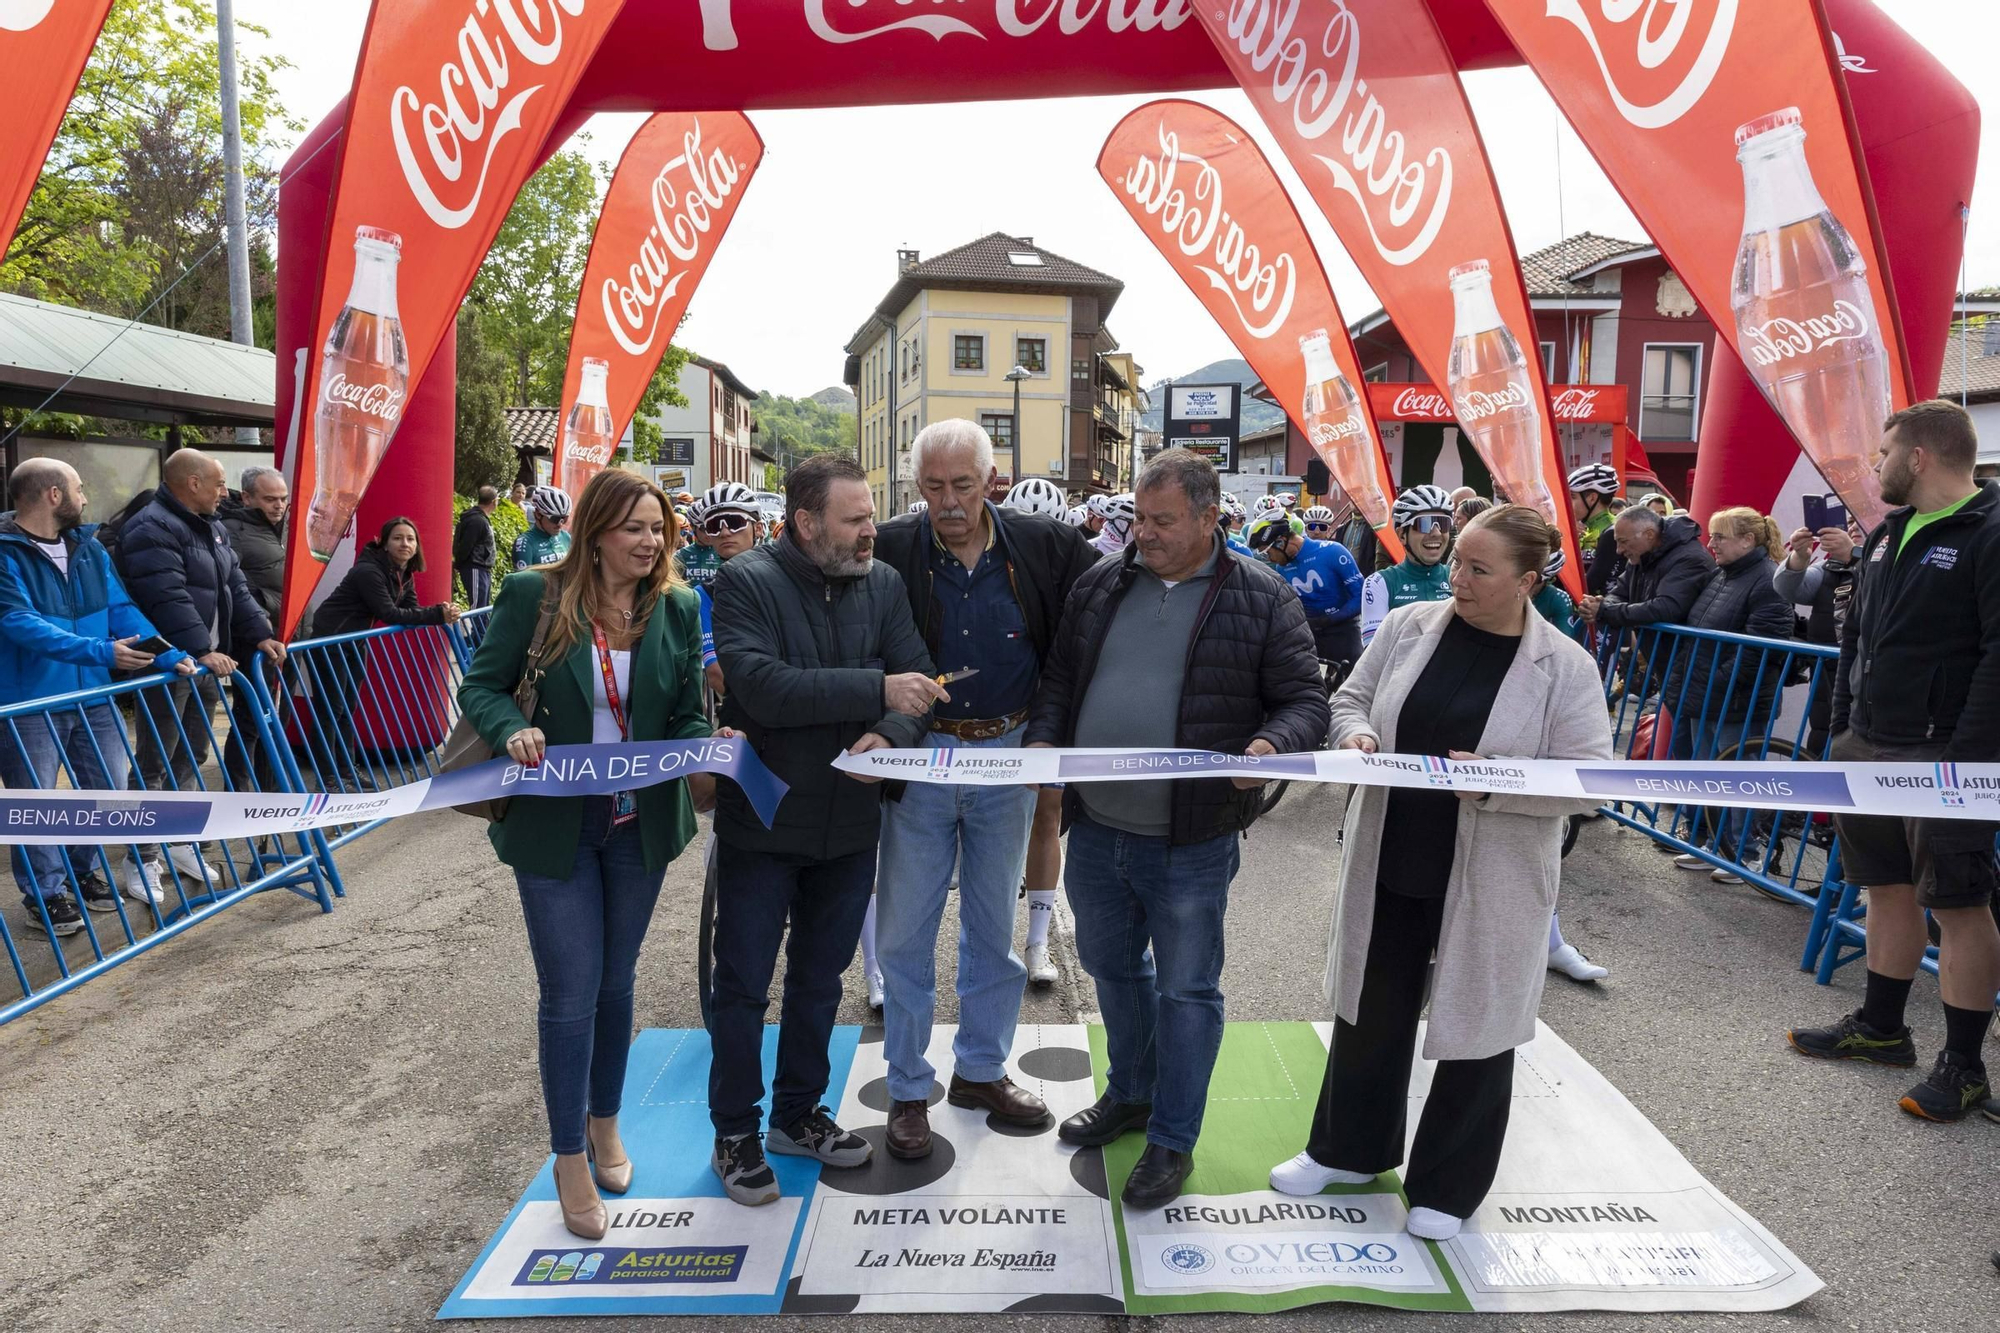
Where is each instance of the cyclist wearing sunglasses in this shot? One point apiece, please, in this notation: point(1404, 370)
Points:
point(547, 539)
point(727, 522)
point(1422, 516)
point(1324, 576)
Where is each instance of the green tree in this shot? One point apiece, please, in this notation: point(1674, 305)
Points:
point(795, 428)
point(483, 455)
point(526, 288)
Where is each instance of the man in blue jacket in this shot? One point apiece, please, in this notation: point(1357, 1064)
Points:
point(65, 622)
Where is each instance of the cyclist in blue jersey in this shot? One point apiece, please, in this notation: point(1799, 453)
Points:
point(1323, 574)
point(731, 522)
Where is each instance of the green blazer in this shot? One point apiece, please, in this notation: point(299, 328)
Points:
point(540, 833)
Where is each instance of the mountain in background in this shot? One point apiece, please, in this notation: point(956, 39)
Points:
point(790, 429)
point(835, 397)
point(1256, 415)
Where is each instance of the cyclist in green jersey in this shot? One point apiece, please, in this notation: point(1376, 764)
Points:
point(1553, 600)
point(1422, 516)
point(547, 539)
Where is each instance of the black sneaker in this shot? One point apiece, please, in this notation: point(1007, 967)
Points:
point(64, 919)
point(817, 1136)
point(96, 894)
point(1956, 1088)
point(1852, 1039)
point(746, 1177)
point(1992, 1109)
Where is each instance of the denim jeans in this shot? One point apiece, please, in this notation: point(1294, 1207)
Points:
point(984, 830)
point(180, 712)
point(1130, 892)
point(585, 932)
point(1696, 738)
point(92, 740)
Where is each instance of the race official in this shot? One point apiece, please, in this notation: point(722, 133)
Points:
point(986, 588)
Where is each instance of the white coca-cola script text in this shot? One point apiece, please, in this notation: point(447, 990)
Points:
point(1478, 404)
point(1653, 45)
point(1573, 404)
point(1786, 339)
point(836, 20)
point(1420, 405)
point(377, 400)
point(682, 216)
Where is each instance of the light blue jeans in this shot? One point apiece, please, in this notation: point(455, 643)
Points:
point(984, 831)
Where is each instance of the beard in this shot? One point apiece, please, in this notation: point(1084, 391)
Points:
point(841, 560)
point(1896, 479)
point(68, 514)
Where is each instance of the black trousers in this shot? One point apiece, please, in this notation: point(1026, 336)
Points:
point(1362, 1118)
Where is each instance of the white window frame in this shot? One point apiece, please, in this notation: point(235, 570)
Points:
point(1694, 390)
point(1548, 361)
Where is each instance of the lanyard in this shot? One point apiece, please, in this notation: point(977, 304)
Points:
point(610, 681)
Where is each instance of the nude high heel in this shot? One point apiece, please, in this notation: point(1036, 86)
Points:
point(612, 1177)
point(584, 1216)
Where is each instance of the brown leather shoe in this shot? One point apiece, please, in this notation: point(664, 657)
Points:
point(909, 1132)
point(1001, 1099)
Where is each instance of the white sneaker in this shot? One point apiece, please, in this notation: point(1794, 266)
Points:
point(874, 990)
point(188, 861)
point(1569, 961)
point(1689, 861)
point(1430, 1224)
point(141, 881)
point(1302, 1175)
point(1725, 876)
point(1041, 971)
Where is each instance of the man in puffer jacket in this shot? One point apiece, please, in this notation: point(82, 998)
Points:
point(1666, 566)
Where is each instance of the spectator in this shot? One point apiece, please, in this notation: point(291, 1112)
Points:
point(1666, 567)
point(1459, 496)
point(473, 547)
point(816, 642)
point(1173, 643)
point(255, 521)
point(518, 493)
point(65, 623)
point(1919, 682)
point(183, 574)
point(1825, 584)
point(1471, 507)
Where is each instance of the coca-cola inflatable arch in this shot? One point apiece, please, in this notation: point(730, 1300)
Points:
point(1916, 128)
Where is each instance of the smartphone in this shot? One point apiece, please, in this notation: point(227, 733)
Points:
point(1824, 511)
point(156, 645)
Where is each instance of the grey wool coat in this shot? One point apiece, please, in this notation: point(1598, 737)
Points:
point(1492, 954)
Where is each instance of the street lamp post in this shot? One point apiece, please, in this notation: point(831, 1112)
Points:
point(1015, 376)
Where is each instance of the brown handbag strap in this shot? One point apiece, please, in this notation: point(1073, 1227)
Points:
point(528, 691)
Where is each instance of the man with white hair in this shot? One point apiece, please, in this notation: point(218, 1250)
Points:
point(986, 588)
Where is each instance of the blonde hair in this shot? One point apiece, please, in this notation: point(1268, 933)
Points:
point(607, 501)
point(1743, 521)
point(1523, 531)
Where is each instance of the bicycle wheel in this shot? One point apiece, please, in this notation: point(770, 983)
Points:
point(1800, 844)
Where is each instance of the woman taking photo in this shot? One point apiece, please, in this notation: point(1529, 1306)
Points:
point(1480, 675)
point(621, 660)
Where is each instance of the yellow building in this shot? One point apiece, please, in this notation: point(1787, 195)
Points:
point(952, 329)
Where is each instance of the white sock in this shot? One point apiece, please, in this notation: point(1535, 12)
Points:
point(1555, 933)
point(1041, 911)
point(868, 939)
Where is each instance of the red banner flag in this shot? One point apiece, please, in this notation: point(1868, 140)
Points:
point(1741, 107)
point(1208, 199)
point(43, 47)
point(452, 102)
point(1364, 98)
point(671, 199)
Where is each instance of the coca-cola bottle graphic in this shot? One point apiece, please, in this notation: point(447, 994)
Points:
point(364, 377)
point(1337, 430)
point(1805, 319)
point(1493, 393)
point(587, 437)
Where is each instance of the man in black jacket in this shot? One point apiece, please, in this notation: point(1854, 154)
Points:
point(815, 639)
point(254, 518)
point(1177, 642)
point(472, 547)
point(986, 589)
point(1919, 681)
point(1666, 567)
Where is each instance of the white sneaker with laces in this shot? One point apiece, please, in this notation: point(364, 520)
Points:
point(189, 862)
point(1569, 961)
point(1302, 1175)
point(1041, 971)
point(874, 990)
point(1430, 1224)
point(1721, 876)
point(141, 881)
point(1689, 861)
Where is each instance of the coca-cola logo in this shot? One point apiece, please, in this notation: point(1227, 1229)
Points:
point(21, 15)
point(1852, 64)
point(1420, 405)
point(1013, 18)
point(1333, 432)
point(1316, 79)
point(1652, 45)
point(1787, 339)
point(377, 400)
point(456, 124)
point(682, 216)
point(1479, 404)
point(575, 452)
point(1197, 224)
point(1574, 404)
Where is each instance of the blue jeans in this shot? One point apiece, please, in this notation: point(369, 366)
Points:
point(757, 893)
point(585, 931)
point(985, 831)
point(92, 741)
point(1695, 738)
point(1129, 892)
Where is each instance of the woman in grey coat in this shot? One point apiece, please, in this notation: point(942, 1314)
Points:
point(1482, 675)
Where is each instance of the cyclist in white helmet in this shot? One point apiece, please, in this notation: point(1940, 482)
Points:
point(1320, 523)
point(1234, 516)
point(1076, 516)
point(547, 539)
point(1037, 495)
point(1422, 519)
point(1120, 512)
point(1096, 511)
point(1591, 488)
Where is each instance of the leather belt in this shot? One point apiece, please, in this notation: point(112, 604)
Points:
point(979, 728)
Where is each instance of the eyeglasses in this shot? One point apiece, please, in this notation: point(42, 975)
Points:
point(1431, 523)
point(717, 524)
point(1319, 527)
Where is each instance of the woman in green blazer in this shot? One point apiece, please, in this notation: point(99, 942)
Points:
point(622, 659)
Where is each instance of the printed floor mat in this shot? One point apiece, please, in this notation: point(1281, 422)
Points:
point(1593, 1209)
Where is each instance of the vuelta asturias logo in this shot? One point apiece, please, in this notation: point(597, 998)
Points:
point(1193, 218)
point(941, 762)
point(1188, 1259)
point(1437, 770)
point(1787, 339)
point(682, 216)
point(1628, 54)
point(1947, 785)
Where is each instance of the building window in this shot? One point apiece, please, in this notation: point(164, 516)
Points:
point(1548, 363)
point(1079, 371)
point(999, 425)
point(1033, 354)
point(1377, 373)
point(1669, 391)
point(968, 351)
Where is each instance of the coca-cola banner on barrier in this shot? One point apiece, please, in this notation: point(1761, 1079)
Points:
point(1364, 98)
point(452, 102)
point(43, 47)
point(1741, 106)
point(1208, 199)
point(671, 199)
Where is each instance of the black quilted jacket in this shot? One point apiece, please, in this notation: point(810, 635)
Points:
point(1250, 671)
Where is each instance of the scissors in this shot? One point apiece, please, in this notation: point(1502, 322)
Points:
point(960, 674)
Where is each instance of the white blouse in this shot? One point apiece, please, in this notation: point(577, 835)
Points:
point(603, 725)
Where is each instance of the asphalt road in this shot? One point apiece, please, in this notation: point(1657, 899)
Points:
point(289, 1121)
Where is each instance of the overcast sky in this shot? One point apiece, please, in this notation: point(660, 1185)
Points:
point(805, 259)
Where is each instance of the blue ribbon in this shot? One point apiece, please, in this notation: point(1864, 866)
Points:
point(603, 770)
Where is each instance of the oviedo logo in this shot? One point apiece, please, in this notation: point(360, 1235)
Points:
point(454, 126)
point(1664, 55)
point(682, 216)
point(1403, 203)
point(1014, 18)
point(1188, 1258)
point(1193, 218)
point(1786, 339)
point(21, 15)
